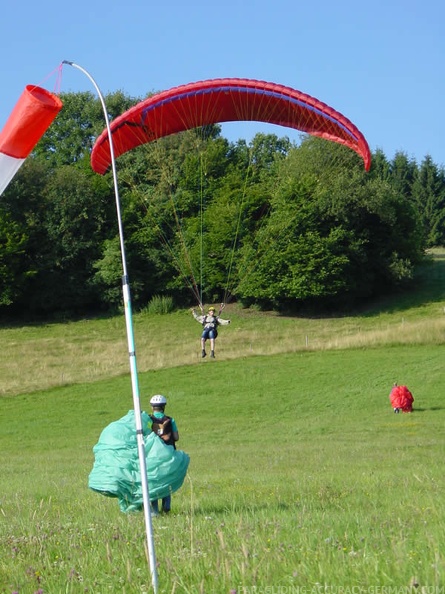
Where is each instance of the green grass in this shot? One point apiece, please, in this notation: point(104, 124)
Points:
point(301, 477)
point(300, 474)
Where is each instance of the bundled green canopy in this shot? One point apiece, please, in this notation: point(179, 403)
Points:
point(116, 469)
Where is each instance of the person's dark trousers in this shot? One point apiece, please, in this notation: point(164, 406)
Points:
point(166, 504)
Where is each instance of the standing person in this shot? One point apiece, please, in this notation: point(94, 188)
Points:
point(167, 430)
point(210, 323)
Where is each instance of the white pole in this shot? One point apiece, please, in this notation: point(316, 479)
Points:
point(131, 350)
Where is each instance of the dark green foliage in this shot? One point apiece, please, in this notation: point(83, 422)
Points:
point(71, 136)
point(335, 234)
point(160, 305)
point(13, 242)
point(428, 197)
point(21, 231)
point(74, 213)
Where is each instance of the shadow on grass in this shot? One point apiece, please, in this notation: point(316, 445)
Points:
point(427, 286)
point(238, 507)
point(416, 410)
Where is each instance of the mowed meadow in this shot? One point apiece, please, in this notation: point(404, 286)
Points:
point(301, 479)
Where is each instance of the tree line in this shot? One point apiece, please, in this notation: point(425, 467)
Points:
point(274, 223)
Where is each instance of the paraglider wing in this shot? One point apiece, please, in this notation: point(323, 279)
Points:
point(225, 100)
point(116, 470)
point(401, 398)
point(32, 115)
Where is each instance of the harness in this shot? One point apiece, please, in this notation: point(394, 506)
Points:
point(210, 325)
point(210, 321)
point(163, 428)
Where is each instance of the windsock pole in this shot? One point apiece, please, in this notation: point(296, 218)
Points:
point(131, 349)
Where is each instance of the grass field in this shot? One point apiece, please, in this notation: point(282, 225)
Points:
point(301, 478)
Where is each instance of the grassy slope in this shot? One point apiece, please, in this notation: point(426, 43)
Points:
point(40, 357)
point(300, 473)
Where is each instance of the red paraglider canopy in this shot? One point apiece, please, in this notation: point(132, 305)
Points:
point(401, 399)
point(225, 100)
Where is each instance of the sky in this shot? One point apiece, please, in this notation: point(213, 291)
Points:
point(381, 63)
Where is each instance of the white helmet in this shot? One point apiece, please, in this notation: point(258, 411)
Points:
point(158, 399)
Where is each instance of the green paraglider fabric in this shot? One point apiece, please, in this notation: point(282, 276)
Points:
point(116, 471)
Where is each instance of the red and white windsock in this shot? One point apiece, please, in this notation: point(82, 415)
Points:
point(31, 117)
